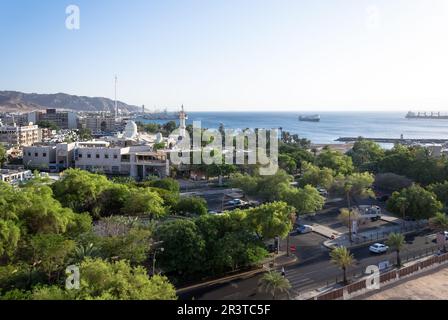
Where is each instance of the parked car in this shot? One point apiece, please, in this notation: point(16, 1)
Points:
point(236, 202)
point(446, 234)
point(302, 229)
point(323, 192)
point(378, 248)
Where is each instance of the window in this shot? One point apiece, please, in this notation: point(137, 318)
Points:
point(97, 156)
point(36, 154)
point(115, 156)
point(89, 155)
point(80, 155)
point(29, 154)
point(44, 154)
point(106, 156)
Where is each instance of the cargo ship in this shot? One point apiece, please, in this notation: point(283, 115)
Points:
point(426, 115)
point(312, 118)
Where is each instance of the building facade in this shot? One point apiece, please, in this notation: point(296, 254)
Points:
point(20, 135)
point(15, 176)
point(62, 119)
point(138, 162)
point(98, 123)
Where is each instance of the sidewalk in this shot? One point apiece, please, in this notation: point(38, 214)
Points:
point(376, 235)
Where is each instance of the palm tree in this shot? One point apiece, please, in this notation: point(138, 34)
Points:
point(273, 283)
point(403, 204)
point(342, 257)
point(396, 241)
point(347, 190)
point(85, 251)
point(439, 223)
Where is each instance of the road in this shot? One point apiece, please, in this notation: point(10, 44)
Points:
point(312, 271)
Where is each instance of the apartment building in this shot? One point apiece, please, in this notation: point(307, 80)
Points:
point(98, 123)
point(20, 135)
point(62, 119)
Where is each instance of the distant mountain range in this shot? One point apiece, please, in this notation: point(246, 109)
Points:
point(14, 101)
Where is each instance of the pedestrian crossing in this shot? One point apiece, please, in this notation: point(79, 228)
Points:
point(298, 280)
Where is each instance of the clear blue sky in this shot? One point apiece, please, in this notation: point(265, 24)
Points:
point(233, 54)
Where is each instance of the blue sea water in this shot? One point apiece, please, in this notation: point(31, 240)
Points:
point(332, 125)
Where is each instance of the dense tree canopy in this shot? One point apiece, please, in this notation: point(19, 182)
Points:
point(336, 161)
point(315, 176)
point(420, 203)
point(366, 155)
point(190, 206)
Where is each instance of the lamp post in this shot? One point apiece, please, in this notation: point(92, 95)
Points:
point(154, 260)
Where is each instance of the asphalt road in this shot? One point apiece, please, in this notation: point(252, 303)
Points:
point(313, 270)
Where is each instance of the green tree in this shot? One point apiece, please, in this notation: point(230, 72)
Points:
point(113, 199)
point(419, 203)
point(396, 241)
point(166, 184)
point(342, 257)
point(304, 200)
point(3, 156)
point(336, 161)
point(144, 203)
point(9, 239)
point(132, 245)
point(354, 185)
point(315, 176)
point(274, 283)
point(81, 190)
point(347, 216)
point(51, 251)
point(183, 247)
point(392, 182)
point(366, 155)
point(287, 163)
point(191, 206)
point(48, 124)
point(271, 220)
point(441, 191)
point(103, 280)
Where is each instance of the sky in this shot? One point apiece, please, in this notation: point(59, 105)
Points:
point(233, 55)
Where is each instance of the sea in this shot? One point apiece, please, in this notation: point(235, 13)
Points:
point(332, 126)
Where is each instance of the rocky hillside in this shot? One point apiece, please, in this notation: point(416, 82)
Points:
point(19, 101)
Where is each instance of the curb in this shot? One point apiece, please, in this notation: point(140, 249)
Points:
point(332, 246)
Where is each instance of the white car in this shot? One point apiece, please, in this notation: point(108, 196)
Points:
point(237, 202)
point(304, 229)
point(378, 248)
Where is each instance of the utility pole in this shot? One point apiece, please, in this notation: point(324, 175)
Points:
point(116, 104)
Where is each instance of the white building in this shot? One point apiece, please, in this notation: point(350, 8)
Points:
point(136, 161)
point(15, 176)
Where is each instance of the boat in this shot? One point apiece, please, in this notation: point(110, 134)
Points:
point(312, 118)
point(426, 115)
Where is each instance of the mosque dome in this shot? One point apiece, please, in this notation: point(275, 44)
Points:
point(130, 131)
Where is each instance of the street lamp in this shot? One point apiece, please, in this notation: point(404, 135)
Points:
point(154, 260)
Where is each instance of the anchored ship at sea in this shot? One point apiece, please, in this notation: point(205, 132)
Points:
point(312, 118)
point(426, 115)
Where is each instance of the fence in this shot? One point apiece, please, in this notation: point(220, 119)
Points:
point(404, 228)
point(394, 275)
